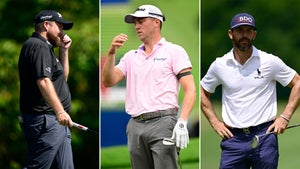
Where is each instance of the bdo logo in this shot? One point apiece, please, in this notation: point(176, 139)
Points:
point(245, 19)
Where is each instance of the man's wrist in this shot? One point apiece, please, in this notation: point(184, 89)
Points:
point(182, 119)
point(111, 53)
point(285, 118)
point(60, 112)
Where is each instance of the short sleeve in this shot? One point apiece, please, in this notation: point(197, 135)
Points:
point(181, 59)
point(281, 72)
point(210, 81)
point(42, 62)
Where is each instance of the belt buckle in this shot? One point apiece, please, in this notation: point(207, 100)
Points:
point(141, 117)
point(246, 131)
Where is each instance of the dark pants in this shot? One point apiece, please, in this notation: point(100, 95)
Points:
point(48, 142)
point(145, 143)
point(237, 153)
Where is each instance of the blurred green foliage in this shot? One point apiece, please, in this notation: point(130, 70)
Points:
point(276, 22)
point(16, 17)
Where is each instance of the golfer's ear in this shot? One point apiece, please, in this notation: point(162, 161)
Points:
point(255, 33)
point(230, 33)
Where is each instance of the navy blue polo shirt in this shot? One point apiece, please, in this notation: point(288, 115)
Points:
point(37, 60)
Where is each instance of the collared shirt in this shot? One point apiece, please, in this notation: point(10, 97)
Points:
point(151, 82)
point(249, 90)
point(37, 60)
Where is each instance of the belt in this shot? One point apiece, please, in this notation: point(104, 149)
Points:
point(156, 114)
point(252, 129)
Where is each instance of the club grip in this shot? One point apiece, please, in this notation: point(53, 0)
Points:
point(81, 127)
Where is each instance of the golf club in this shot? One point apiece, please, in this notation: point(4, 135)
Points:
point(79, 126)
point(84, 128)
point(255, 141)
point(169, 142)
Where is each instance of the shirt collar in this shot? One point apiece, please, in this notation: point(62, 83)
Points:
point(37, 35)
point(161, 42)
point(254, 54)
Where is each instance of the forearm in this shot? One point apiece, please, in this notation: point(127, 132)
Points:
point(293, 102)
point(189, 98)
point(64, 60)
point(210, 114)
point(108, 70)
point(110, 74)
point(187, 106)
point(207, 108)
point(49, 94)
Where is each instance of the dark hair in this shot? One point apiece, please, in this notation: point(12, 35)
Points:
point(39, 27)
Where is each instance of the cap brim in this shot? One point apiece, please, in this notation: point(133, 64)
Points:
point(131, 17)
point(243, 24)
point(67, 25)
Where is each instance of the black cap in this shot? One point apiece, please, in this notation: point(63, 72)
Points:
point(51, 15)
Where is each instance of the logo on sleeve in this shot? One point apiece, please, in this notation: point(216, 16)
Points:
point(48, 69)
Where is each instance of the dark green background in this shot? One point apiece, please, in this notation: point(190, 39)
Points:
point(16, 18)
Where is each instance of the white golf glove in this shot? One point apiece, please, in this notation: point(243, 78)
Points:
point(181, 134)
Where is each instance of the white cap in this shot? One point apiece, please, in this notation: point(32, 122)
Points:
point(145, 11)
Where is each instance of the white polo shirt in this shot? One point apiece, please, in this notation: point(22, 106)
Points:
point(249, 90)
point(151, 82)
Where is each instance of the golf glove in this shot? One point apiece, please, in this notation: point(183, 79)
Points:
point(181, 134)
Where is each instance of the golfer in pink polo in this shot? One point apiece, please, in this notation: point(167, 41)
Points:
point(154, 73)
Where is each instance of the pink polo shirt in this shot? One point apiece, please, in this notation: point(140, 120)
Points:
point(151, 82)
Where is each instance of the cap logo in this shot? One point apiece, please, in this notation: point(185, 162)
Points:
point(140, 9)
point(145, 11)
point(245, 19)
point(150, 13)
point(59, 15)
point(46, 17)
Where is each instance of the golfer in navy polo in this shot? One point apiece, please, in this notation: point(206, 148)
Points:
point(248, 79)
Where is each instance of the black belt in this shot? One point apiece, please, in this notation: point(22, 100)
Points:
point(156, 114)
point(252, 129)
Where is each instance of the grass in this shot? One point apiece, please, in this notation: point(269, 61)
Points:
point(117, 157)
point(288, 143)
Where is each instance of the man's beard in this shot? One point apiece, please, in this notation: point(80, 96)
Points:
point(240, 46)
point(54, 40)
